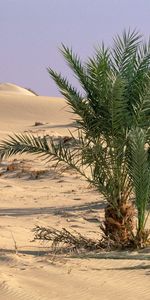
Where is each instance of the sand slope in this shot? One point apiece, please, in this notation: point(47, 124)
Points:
point(36, 279)
point(12, 89)
point(20, 112)
point(59, 200)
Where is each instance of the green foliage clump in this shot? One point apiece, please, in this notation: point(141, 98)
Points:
point(113, 121)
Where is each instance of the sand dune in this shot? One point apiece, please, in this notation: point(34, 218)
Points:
point(19, 112)
point(12, 89)
point(59, 200)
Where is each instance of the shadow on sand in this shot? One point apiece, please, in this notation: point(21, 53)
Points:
point(17, 212)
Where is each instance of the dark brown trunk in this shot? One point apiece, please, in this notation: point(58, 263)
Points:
point(119, 224)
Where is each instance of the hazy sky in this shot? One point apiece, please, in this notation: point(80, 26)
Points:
point(32, 30)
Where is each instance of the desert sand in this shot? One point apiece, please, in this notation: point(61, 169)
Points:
point(27, 269)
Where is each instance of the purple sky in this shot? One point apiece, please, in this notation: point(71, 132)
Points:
point(32, 30)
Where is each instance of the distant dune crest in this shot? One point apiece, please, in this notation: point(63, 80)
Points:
point(9, 88)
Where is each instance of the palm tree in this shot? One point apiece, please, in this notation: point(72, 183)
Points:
point(113, 120)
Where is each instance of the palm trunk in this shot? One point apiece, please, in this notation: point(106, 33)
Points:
point(119, 224)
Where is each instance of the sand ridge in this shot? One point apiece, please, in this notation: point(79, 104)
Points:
point(59, 199)
point(13, 89)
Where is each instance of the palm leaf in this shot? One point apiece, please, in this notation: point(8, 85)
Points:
point(139, 169)
point(78, 69)
point(124, 51)
point(46, 148)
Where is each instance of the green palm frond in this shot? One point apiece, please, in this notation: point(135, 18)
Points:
point(24, 143)
point(124, 50)
point(139, 85)
point(119, 109)
point(93, 161)
point(46, 148)
point(99, 70)
point(74, 99)
point(89, 119)
point(139, 169)
point(78, 69)
point(67, 90)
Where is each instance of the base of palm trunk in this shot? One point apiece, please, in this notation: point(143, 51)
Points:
point(142, 238)
point(119, 224)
